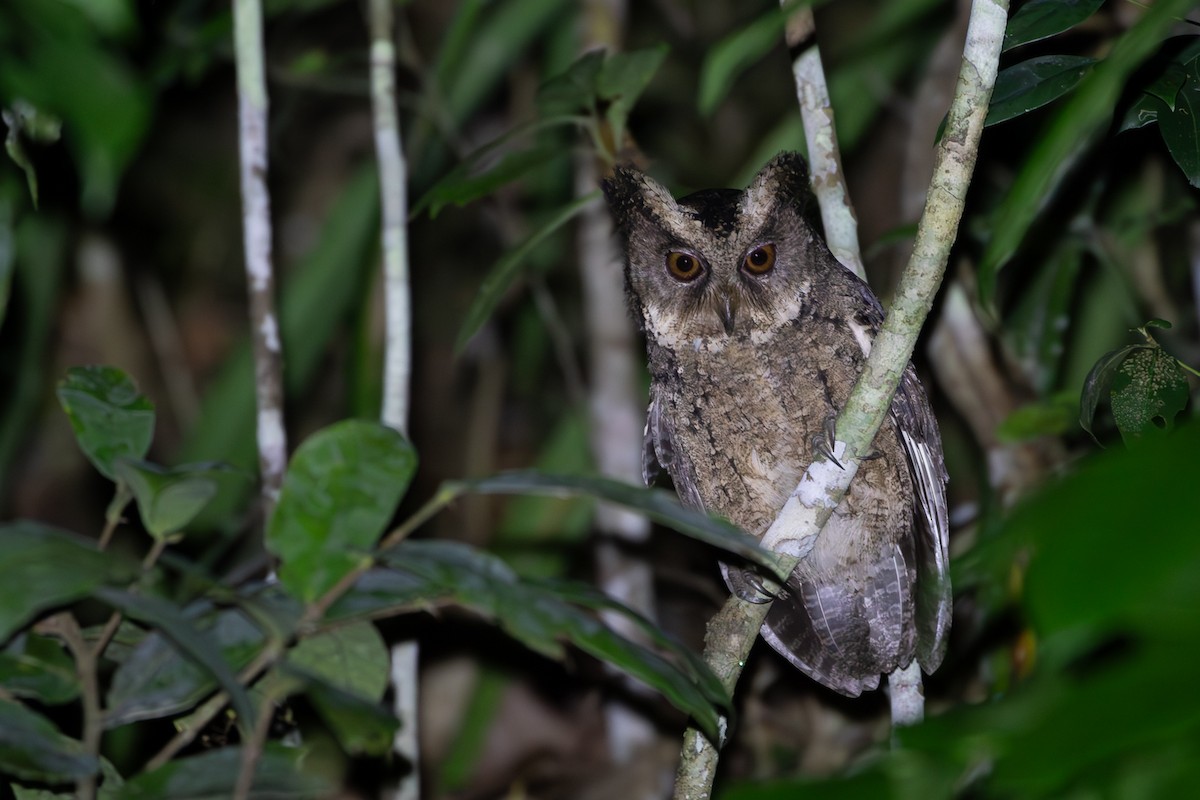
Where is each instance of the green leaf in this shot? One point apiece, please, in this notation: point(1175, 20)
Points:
point(381, 593)
point(657, 504)
point(351, 657)
point(462, 185)
point(1095, 386)
point(1148, 391)
point(340, 491)
point(508, 268)
point(23, 118)
point(197, 645)
point(42, 568)
point(573, 91)
point(38, 668)
point(31, 748)
point(1051, 417)
point(169, 497)
point(111, 418)
point(1180, 127)
point(212, 775)
point(1041, 19)
point(362, 726)
point(542, 616)
point(622, 79)
point(1034, 83)
point(156, 679)
point(1068, 135)
point(730, 57)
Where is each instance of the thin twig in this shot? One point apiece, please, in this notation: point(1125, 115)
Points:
point(256, 215)
point(67, 628)
point(871, 397)
point(252, 749)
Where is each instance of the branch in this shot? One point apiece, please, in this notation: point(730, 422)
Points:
point(256, 213)
point(824, 159)
point(397, 369)
point(823, 485)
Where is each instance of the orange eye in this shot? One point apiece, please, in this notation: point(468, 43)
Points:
point(683, 266)
point(760, 260)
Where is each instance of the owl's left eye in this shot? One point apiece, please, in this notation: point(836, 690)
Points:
point(760, 260)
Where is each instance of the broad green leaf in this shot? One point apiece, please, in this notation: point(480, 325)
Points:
point(1176, 60)
point(573, 91)
point(341, 489)
point(1041, 19)
point(1075, 125)
point(508, 268)
point(463, 186)
point(31, 748)
point(212, 775)
point(543, 616)
point(199, 646)
point(1180, 128)
point(1148, 391)
point(157, 680)
point(657, 504)
point(362, 726)
point(42, 568)
point(111, 418)
point(23, 118)
point(1034, 83)
point(354, 658)
point(38, 668)
point(110, 787)
point(381, 593)
point(1095, 387)
point(622, 79)
point(1039, 326)
point(168, 498)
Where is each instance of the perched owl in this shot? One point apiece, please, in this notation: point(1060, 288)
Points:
point(755, 336)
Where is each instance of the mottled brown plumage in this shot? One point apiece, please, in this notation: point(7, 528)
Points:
point(755, 336)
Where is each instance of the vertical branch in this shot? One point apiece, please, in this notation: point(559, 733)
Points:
point(397, 365)
point(256, 214)
point(824, 159)
point(822, 487)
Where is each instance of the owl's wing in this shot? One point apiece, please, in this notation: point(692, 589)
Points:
point(659, 453)
point(919, 433)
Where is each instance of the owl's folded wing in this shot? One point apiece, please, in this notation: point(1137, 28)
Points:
point(922, 444)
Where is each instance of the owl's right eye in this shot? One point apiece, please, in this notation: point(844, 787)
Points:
point(683, 266)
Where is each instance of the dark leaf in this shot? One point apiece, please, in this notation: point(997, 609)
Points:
point(362, 725)
point(622, 80)
point(212, 775)
point(157, 680)
point(1051, 417)
point(464, 184)
point(730, 57)
point(43, 567)
point(169, 498)
point(659, 505)
point(199, 646)
point(544, 616)
point(508, 268)
point(340, 492)
point(1034, 83)
point(37, 667)
point(1180, 128)
point(351, 657)
point(1095, 386)
point(381, 593)
point(31, 748)
point(1041, 19)
point(23, 118)
point(573, 91)
point(1148, 390)
point(111, 418)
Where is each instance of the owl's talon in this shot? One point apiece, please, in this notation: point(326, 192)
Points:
point(824, 443)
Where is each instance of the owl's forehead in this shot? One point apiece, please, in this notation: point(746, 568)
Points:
point(718, 211)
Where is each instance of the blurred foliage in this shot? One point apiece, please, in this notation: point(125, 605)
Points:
point(119, 235)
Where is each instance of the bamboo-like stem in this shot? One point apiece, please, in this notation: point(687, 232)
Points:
point(256, 221)
point(824, 157)
point(398, 346)
point(823, 485)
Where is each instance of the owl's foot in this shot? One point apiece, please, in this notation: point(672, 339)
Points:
point(748, 585)
point(825, 442)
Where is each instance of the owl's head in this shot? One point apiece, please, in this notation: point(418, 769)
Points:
point(719, 262)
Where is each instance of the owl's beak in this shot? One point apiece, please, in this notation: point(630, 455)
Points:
point(727, 310)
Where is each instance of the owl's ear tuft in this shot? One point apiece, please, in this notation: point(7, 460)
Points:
point(783, 181)
point(634, 197)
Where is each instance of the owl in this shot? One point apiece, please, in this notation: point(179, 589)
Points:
point(755, 336)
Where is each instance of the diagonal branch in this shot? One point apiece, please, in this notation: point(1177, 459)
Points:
point(733, 631)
